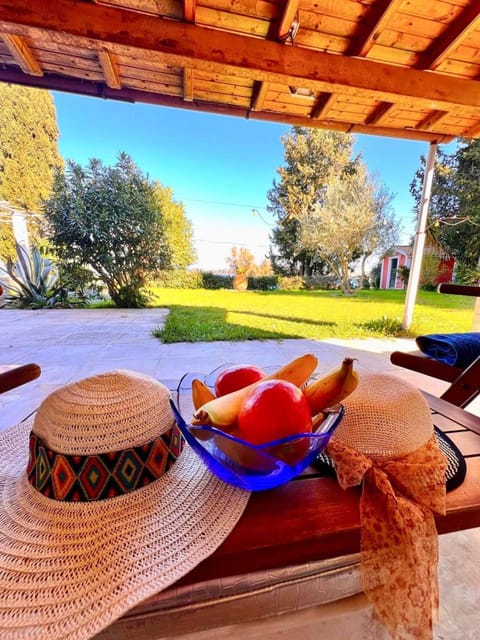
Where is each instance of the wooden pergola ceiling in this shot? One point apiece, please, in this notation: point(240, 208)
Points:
point(402, 68)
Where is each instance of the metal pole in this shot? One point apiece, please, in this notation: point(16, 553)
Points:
point(419, 244)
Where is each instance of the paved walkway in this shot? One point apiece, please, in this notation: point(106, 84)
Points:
point(71, 344)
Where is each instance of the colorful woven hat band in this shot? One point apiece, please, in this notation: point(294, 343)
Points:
point(81, 478)
point(401, 490)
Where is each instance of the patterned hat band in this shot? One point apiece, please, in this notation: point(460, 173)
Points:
point(83, 478)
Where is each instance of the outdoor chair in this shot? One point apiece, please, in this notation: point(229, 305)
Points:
point(464, 381)
point(22, 374)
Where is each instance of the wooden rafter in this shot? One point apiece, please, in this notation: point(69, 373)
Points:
point(22, 54)
point(189, 7)
point(380, 112)
point(258, 95)
point(381, 13)
point(322, 105)
point(188, 84)
point(110, 71)
point(288, 16)
point(181, 44)
point(431, 120)
point(473, 132)
point(467, 22)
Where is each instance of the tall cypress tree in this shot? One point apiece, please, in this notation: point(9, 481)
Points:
point(28, 152)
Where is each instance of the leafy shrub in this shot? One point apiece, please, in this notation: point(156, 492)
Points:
point(31, 281)
point(263, 283)
point(321, 282)
point(467, 275)
point(429, 274)
point(403, 273)
point(365, 283)
point(215, 281)
point(386, 325)
point(180, 279)
point(291, 283)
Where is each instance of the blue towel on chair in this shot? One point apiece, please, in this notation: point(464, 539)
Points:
point(458, 349)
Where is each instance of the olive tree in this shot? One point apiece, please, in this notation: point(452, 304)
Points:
point(110, 219)
point(350, 222)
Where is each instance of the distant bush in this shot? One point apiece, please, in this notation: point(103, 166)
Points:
point(214, 281)
point(180, 279)
point(291, 283)
point(321, 282)
point(263, 283)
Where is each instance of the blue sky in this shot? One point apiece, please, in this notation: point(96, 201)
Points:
point(220, 167)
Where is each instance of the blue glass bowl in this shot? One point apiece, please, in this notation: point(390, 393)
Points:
point(248, 466)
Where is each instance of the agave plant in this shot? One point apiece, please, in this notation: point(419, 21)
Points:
point(31, 281)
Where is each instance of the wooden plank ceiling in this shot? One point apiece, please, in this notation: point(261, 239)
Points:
point(402, 68)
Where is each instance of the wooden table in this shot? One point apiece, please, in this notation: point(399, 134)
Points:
point(312, 518)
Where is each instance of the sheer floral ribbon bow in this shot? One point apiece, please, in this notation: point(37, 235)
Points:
point(399, 542)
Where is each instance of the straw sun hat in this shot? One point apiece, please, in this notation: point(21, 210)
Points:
point(386, 442)
point(104, 508)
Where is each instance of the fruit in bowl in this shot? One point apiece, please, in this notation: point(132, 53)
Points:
point(273, 409)
point(236, 377)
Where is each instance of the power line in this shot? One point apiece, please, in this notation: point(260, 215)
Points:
point(262, 246)
point(226, 204)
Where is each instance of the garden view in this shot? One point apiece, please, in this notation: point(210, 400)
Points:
point(108, 235)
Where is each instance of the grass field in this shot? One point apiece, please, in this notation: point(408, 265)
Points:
point(205, 315)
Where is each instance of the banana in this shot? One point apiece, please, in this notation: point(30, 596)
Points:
point(332, 388)
point(200, 393)
point(223, 411)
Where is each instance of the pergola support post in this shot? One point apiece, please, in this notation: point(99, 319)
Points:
point(419, 244)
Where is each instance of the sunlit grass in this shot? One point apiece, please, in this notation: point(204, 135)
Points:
point(205, 315)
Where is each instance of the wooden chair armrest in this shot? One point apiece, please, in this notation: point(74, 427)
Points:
point(18, 376)
point(417, 361)
point(460, 289)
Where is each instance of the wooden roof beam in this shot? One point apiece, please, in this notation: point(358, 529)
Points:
point(258, 95)
point(91, 26)
point(189, 7)
point(287, 20)
point(188, 84)
point(473, 132)
point(94, 89)
point(22, 54)
point(380, 15)
point(380, 112)
point(110, 71)
point(322, 105)
point(467, 22)
point(431, 120)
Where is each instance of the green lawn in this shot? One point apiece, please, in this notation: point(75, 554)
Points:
point(205, 315)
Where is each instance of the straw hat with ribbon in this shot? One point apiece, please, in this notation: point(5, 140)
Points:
point(101, 506)
point(386, 441)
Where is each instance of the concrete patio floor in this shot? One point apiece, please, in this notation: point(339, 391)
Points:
point(71, 344)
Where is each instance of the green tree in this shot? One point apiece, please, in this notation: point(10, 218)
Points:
point(28, 153)
point(177, 227)
point(312, 160)
point(110, 218)
point(346, 224)
point(454, 214)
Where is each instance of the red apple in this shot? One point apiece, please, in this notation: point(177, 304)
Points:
point(273, 409)
point(237, 377)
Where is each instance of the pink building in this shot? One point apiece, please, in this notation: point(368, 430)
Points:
point(401, 256)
